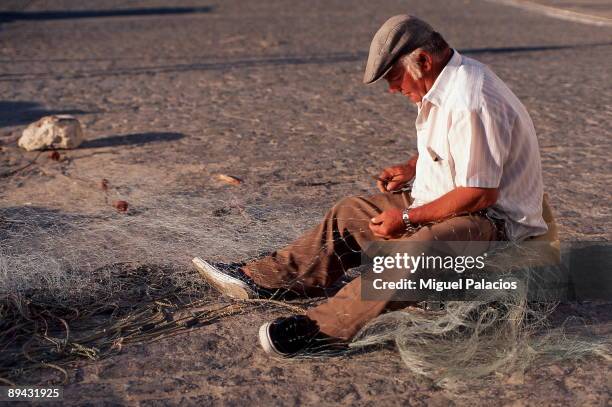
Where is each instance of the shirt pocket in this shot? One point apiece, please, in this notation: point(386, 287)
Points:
point(441, 163)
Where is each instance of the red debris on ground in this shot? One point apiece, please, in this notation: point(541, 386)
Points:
point(54, 155)
point(121, 206)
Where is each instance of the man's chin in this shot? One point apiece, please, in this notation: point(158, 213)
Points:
point(413, 98)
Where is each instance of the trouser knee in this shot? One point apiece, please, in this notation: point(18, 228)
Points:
point(346, 206)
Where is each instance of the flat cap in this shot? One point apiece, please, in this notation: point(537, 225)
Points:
point(399, 35)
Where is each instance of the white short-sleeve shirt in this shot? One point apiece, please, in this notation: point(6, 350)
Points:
point(472, 131)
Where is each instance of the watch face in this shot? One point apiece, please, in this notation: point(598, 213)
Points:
point(406, 218)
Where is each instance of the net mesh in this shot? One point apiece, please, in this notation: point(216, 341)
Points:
point(80, 286)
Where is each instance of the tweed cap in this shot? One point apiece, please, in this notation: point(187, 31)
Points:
point(399, 35)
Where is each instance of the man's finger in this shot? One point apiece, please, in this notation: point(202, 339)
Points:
point(378, 229)
point(382, 180)
point(384, 174)
point(392, 186)
point(375, 231)
point(381, 235)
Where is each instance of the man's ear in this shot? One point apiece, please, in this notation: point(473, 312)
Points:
point(425, 61)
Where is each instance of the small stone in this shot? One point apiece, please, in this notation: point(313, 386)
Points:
point(104, 184)
point(516, 378)
point(121, 206)
point(58, 131)
point(221, 212)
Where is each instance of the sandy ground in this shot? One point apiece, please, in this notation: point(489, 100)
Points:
point(597, 8)
point(271, 92)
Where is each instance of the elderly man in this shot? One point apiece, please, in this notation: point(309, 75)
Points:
point(476, 176)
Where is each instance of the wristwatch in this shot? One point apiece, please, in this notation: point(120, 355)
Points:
point(410, 227)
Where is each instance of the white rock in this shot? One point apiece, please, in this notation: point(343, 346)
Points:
point(58, 131)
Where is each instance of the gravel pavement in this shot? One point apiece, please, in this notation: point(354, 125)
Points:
point(172, 93)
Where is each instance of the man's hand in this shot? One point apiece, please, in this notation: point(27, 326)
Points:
point(392, 178)
point(388, 224)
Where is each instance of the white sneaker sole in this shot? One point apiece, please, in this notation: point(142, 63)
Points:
point(266, 342)
point(225, 284)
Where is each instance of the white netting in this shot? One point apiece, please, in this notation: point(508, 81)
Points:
point(134, 265)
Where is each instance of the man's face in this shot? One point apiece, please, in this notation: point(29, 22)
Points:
point(400, 81)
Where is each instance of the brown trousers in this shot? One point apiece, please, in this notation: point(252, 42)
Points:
point(314, 262)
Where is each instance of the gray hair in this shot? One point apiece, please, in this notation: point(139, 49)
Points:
point(435, 46)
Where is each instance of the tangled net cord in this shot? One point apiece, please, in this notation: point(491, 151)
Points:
point(35, 333)
point(79, 286)
point(74, 286)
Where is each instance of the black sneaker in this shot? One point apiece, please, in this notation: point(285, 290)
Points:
point(289, 336)
point(229, 280)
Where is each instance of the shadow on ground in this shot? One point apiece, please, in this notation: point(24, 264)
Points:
point(14, 113)
point(75, 14)
point(132, 139)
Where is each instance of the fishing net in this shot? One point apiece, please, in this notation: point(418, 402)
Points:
point(80, 286)
point(77, 286)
